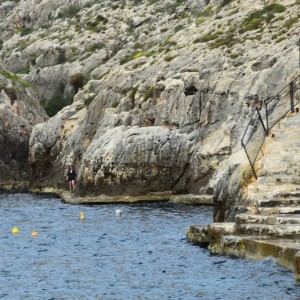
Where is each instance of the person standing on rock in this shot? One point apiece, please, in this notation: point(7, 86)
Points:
point(71, 177)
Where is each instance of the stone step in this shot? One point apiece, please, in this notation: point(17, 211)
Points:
point(255, 195)
point(291, 231)
point(279, 179)
point(271, 220)
point(279, 210)
point(274, 160)
point(279, 202)
point(280, 190)
point(279, 168)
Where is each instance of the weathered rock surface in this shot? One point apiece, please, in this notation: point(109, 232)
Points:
point(161, 90)
point(19, 111)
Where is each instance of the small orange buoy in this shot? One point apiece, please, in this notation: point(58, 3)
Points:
point(34, 233)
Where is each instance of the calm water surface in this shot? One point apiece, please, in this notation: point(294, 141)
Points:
point(141, 255)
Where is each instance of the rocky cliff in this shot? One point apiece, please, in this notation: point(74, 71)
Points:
point(158, 91)
point(19, 111)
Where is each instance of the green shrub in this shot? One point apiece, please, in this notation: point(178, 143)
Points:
point(289, 23)
point(256, 19)
point(228, 40)
point(169, 58)
point(225, 2)
point(133, 92)
point(209, 37)
point(102, 19)
point(9, 75)
point(197, 40)
point(280, 18)
point(58, 101)
point(25, 31)
point(150, 53)
point(132, 95)
point(200, 20)
point(32, 59)
point(252, 24)
point(280, 39)
point(178, 28)
point(148, 92)
point(24, 70)
point(130, 57)
point(168, 43)
point(97, 24)
point(180, 2)
point(71, 11)
point(77, 81)
point(61, 59)
point(126, 59)
point(115, 104)
point(274, 8)
point(258, 37)
point(234, 55)
point(95, 47)
point(233, 12)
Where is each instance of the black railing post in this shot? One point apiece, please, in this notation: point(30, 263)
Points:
point(292, 95)
point(267, 117)
point(252, 166)
point(262, 122)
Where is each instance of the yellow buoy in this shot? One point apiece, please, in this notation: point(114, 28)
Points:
point(34, 233)
point(81, 218)
point(15, 230)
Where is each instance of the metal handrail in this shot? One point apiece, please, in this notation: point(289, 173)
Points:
point(263, 119)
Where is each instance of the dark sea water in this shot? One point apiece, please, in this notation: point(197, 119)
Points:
point(141, 255)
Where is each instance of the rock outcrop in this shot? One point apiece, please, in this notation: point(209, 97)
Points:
point(160, 90)
point(19, 111)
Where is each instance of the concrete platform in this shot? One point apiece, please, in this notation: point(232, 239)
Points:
point(189, 199)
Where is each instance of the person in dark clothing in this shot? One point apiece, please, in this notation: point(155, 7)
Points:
point(71, 177)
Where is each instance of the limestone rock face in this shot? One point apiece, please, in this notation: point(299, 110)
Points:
point(161, 90)
point(19, 111)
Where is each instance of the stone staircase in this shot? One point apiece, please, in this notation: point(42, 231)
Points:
point(275, 195)
point(271, 226)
